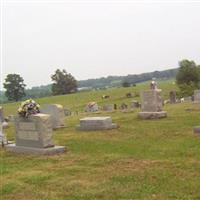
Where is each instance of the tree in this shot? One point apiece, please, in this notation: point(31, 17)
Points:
point(126, 84)
point(65, 83)
point(15, 87)
point(188, 77)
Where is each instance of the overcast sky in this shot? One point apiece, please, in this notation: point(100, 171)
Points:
point(92, 39)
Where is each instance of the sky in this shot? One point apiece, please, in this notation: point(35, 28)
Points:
point(91, 39)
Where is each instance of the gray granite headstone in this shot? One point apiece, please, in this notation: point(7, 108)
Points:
point(92, 107)
point(34, 131)
point(134, 104)
point(151, 101)
point(196, 96)
point(108, 107)
point(56, 111)
point(1, 114)
point(96, 123)
point(172, 97)
point(34, 136)
point(152, 104)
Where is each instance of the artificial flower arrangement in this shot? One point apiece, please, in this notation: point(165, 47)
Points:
point(28, 107)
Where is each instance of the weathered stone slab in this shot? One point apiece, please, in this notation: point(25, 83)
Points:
point(151, 101)
point(56, 111)
point(134, 104)
point(96, 123)
point(1, 114)
point(196, 129)
point(172, 97)
point(34, 131)
point(152, 104)
point(152, 115)
point(196, 96)
point(92, 107)
point(31, 150)
point(108, 107)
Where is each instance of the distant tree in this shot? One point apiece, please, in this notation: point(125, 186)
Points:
point(126, 84)
point(15, 87)
point(64, 83)
point(188, 77)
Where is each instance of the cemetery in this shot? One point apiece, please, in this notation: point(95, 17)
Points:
point(83, 156)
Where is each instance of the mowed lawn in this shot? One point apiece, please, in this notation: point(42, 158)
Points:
point(143, 159)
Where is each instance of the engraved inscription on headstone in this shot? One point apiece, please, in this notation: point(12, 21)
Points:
point(151, 101)
point(34, 131)
point(152, 104)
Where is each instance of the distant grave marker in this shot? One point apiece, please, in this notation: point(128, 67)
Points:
point(108, 107)
point(134, 104)
point(172, 97)
point(92, 107)
point(196, 96)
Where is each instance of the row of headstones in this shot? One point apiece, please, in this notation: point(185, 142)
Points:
point(93, 106)
point(173, 99)
point(34, 134)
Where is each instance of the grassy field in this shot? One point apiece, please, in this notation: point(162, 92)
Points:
point(143, 159)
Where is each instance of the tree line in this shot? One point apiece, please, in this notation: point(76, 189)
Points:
point(187, 78)
point(63, 83)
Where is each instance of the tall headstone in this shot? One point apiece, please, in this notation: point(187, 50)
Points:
point(1, 114)
point(3, 138)
point(34, 135)
point(56, 111)
point(96, 123)
point(196, 96)
point(172, 97)
point(152, 104)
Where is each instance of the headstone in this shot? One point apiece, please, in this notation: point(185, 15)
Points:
point(96, 123)
point(172, 97)
point(196, 96)
point(108, 107)
point(188, 99)
point(3, 125)
point(134, 104)
point(152, 104)
point(34, 135)
point(196, 130)
point(1, 114)
point(123, 106)
point(3, 138)
point(92, 107)
point(129, 95)
point(56, 112)
point(67, 112)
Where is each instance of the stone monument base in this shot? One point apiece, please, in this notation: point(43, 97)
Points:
point(196, 129)
point(31, 150)
point(152, 115)
point(96, 123)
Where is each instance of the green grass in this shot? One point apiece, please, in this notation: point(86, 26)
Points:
point(143, 159)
